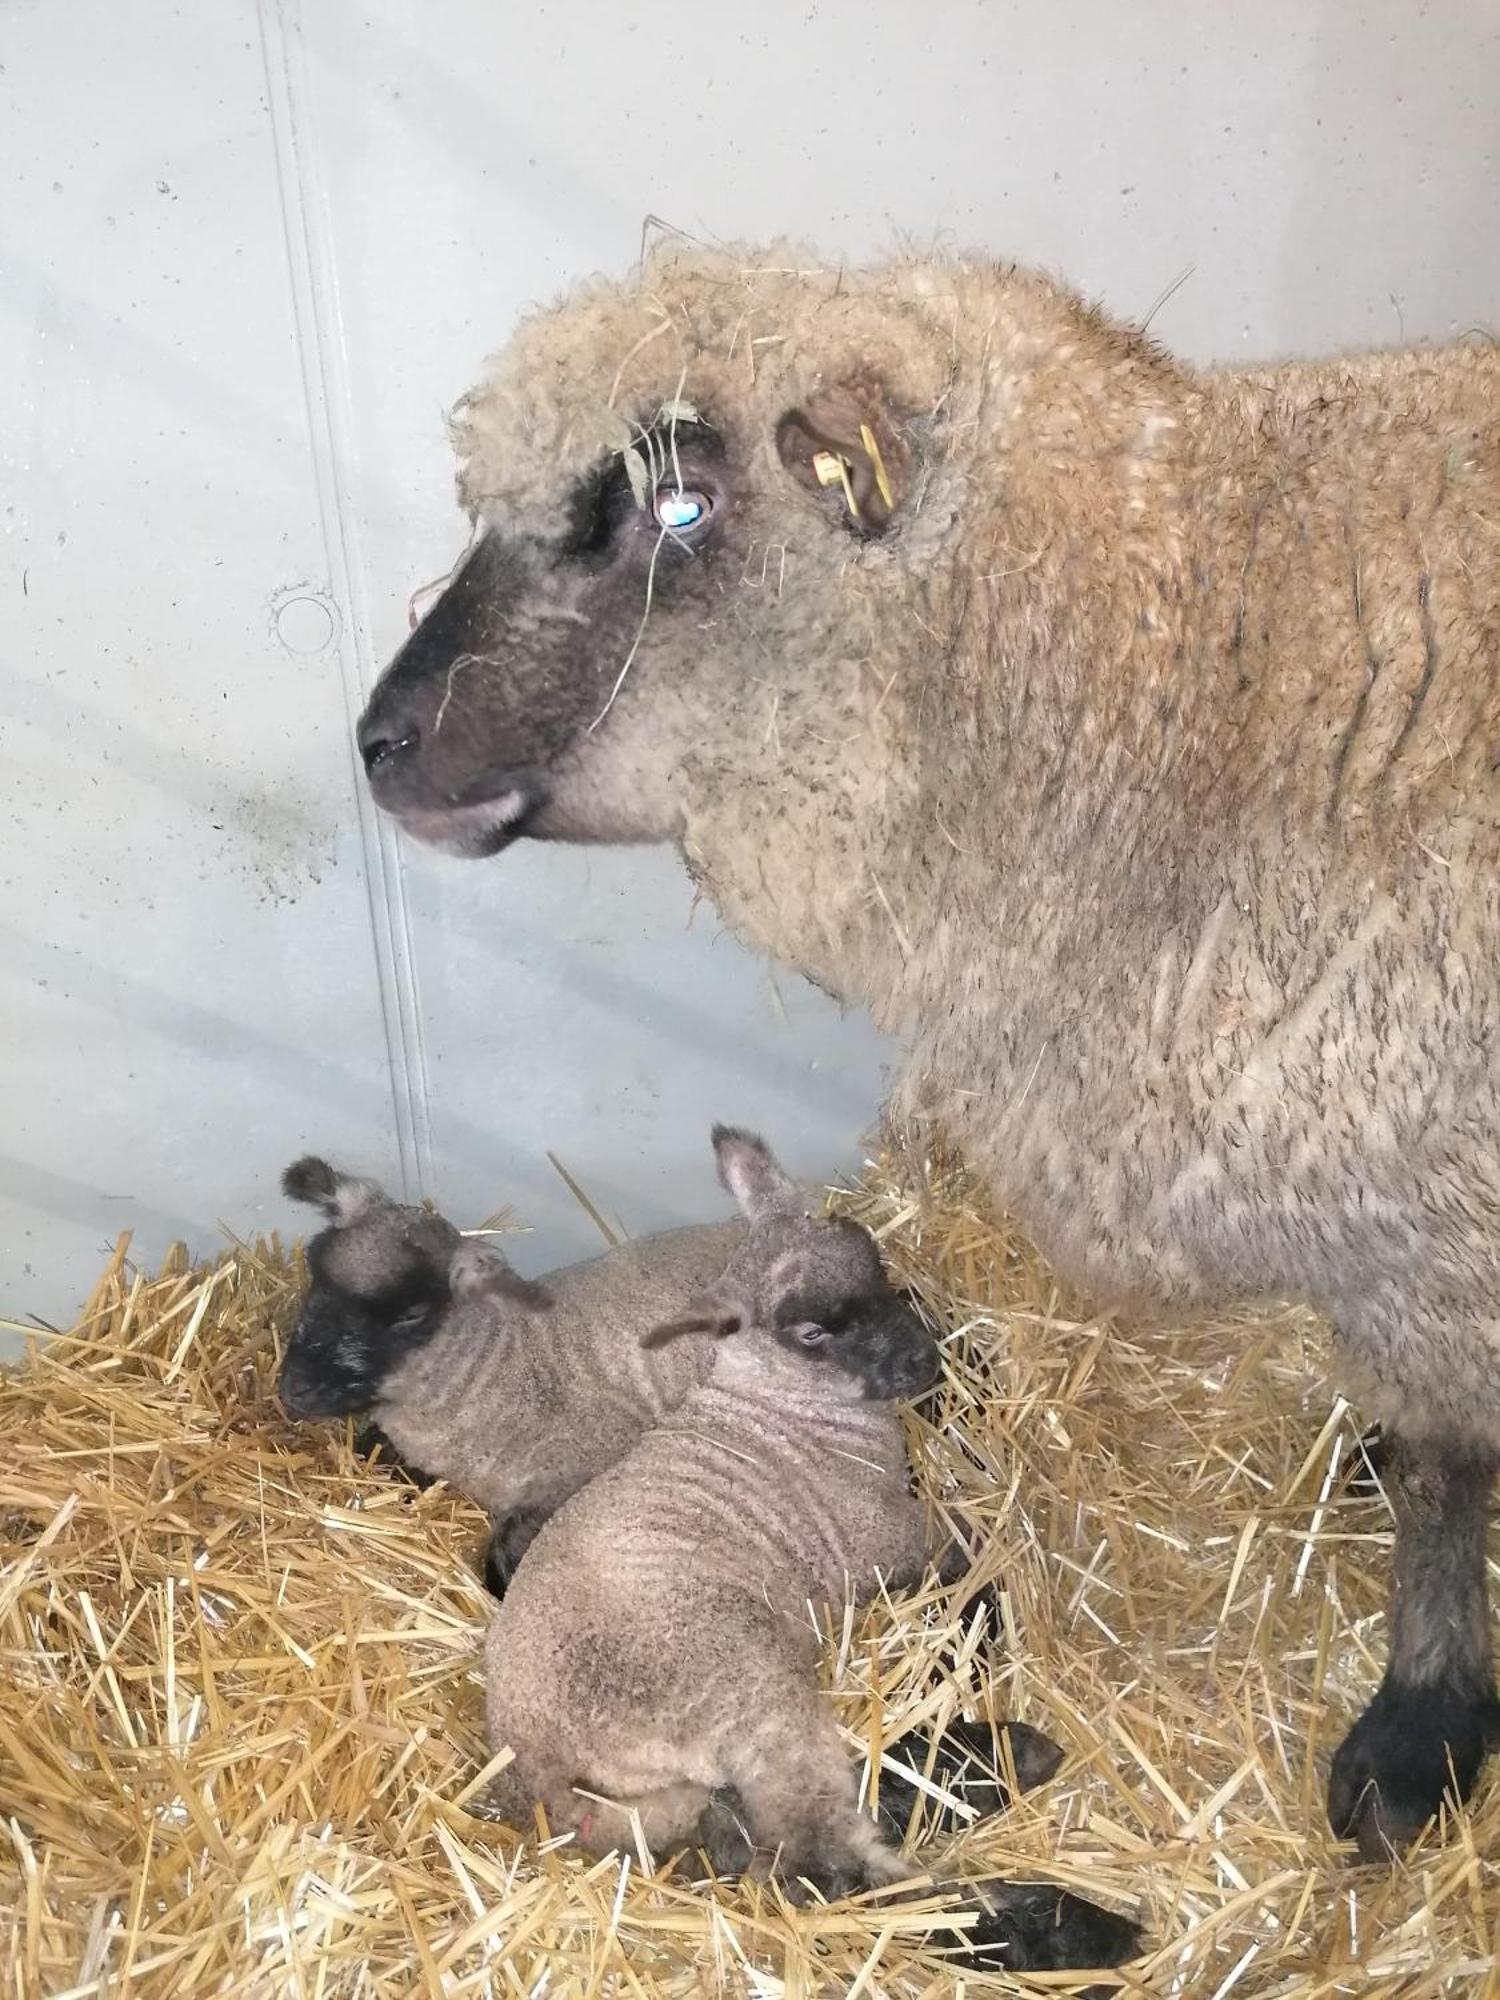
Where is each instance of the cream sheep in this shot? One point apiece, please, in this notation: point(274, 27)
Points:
point(1124, 735)
point(653, 1667)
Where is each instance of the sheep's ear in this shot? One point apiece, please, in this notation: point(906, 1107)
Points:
point(478, 1267)
point(750, 1171)
point(842, 441)
point(706, 1314)
point(340, 1196)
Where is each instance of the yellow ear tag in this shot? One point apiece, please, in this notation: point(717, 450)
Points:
point(830, 469)
point(882, 478)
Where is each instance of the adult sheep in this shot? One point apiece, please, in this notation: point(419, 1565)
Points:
point(1125, 736)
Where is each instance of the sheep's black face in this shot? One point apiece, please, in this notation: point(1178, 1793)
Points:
point(480, 729)
point(816, 1282)
point(840, 1309)
point(381, 1280)
point(344, 1346)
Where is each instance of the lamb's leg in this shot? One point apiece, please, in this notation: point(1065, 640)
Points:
point(669, 1818)
point(965, 1761)
point(1364, 1469)
point(797, 1788)
point(1437, 1702)
point(370, 1438)
point(968, 1763)
point(509, 1541)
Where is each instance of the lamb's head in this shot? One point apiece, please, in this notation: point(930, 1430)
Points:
point(382, 1276)
point(708, 501)
point(809, 1283)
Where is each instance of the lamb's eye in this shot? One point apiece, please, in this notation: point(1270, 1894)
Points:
point(678, 508)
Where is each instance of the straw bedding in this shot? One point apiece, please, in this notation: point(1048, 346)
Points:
point(240, 1717)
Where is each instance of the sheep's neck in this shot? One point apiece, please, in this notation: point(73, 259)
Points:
point(870, 875)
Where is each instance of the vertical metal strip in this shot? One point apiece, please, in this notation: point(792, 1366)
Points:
point(307, 227)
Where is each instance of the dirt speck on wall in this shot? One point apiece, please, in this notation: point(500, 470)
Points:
point(287, 840)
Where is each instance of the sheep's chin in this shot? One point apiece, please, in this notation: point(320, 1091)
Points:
point(472, 832)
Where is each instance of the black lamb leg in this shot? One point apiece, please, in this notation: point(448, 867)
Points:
point(509, 1541)
point(969, 1764)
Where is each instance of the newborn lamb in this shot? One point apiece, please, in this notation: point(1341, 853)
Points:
point(654, 1660)
point(513, 1392)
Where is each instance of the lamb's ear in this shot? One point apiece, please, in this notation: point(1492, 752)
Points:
point(706, 1314)
point(750, 1171)
point(478, 1267)
point(340, 1196)
point(841, 439)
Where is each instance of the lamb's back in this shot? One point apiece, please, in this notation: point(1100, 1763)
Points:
point(519, 1408)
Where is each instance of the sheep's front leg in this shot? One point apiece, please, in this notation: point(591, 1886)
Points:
point(1436, 1705)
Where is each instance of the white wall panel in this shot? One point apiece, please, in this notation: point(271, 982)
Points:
point(247, 259)
point(187, 974)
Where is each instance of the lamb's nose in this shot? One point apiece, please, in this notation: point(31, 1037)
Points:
point(381, 741)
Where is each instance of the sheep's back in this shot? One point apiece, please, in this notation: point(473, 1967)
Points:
point(1350, 585)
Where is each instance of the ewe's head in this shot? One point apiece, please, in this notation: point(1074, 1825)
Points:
point(707, 502)
point(809, 1283)
point(381, 1277)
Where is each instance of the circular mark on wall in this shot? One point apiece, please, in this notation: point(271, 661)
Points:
point(304, 621)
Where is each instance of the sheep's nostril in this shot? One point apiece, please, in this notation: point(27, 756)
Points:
point(378, 749)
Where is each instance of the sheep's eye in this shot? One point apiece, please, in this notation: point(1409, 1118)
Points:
point(679, 508)
point(810, 1334)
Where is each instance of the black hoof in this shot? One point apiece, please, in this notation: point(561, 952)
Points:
point(1037, 1927)
point(801, 1881)
point(970, 1763)
point(985, 1600)
point(498, 1570)
point(509, 1541)
point(1392, 1771)
point(983, 1604)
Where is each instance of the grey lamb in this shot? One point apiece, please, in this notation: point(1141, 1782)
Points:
point(514, 1392)
point(653, 1667)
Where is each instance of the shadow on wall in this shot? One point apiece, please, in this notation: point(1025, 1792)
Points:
point(143, 1006)
point(215, 405)
point(589, 972)
point(31, 1186)
point(505, 934)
